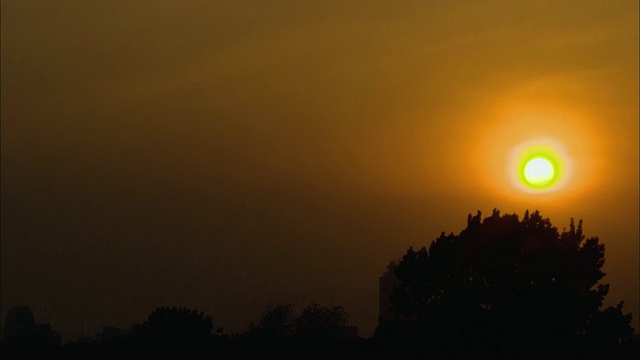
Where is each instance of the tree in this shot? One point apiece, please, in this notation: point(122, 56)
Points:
point(276, 322)
point(316, 332)
point(505, 288)
point(320, 321)
point(173, 333)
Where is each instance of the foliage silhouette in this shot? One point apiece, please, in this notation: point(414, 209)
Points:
point(277, 322)
point(271, 338)
point(173, 333)
point(504, 288)
point(320, 321)
point(317, 332)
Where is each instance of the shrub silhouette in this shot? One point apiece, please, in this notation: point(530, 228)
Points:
point(504, 288)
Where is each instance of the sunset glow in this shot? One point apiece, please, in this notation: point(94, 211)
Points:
point(560, 133)
point(227, 155)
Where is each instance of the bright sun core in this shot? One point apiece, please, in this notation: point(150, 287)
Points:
point(539, 172)
point(539, 166)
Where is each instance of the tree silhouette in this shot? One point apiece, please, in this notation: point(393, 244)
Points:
point(322, 332)
point(276, 322)
point(271, 337)
point(320, 321)
point(316, 332)
point(173, 333)
point(505, 288)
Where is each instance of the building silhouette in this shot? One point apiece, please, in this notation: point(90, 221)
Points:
point(22, 337)
point(387, 283)
point(19, 321)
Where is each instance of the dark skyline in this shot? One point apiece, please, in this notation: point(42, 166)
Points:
point(226, 155)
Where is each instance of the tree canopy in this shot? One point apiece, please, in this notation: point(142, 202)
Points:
point(507, 288)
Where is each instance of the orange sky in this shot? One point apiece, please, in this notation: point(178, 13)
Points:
point(222, 155)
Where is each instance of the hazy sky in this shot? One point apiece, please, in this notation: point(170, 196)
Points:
point(223, 155)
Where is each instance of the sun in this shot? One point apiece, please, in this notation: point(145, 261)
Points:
point(539, 167)
point(539, 172)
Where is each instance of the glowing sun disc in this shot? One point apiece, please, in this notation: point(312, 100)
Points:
point(539, 171)
point(540, 166)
